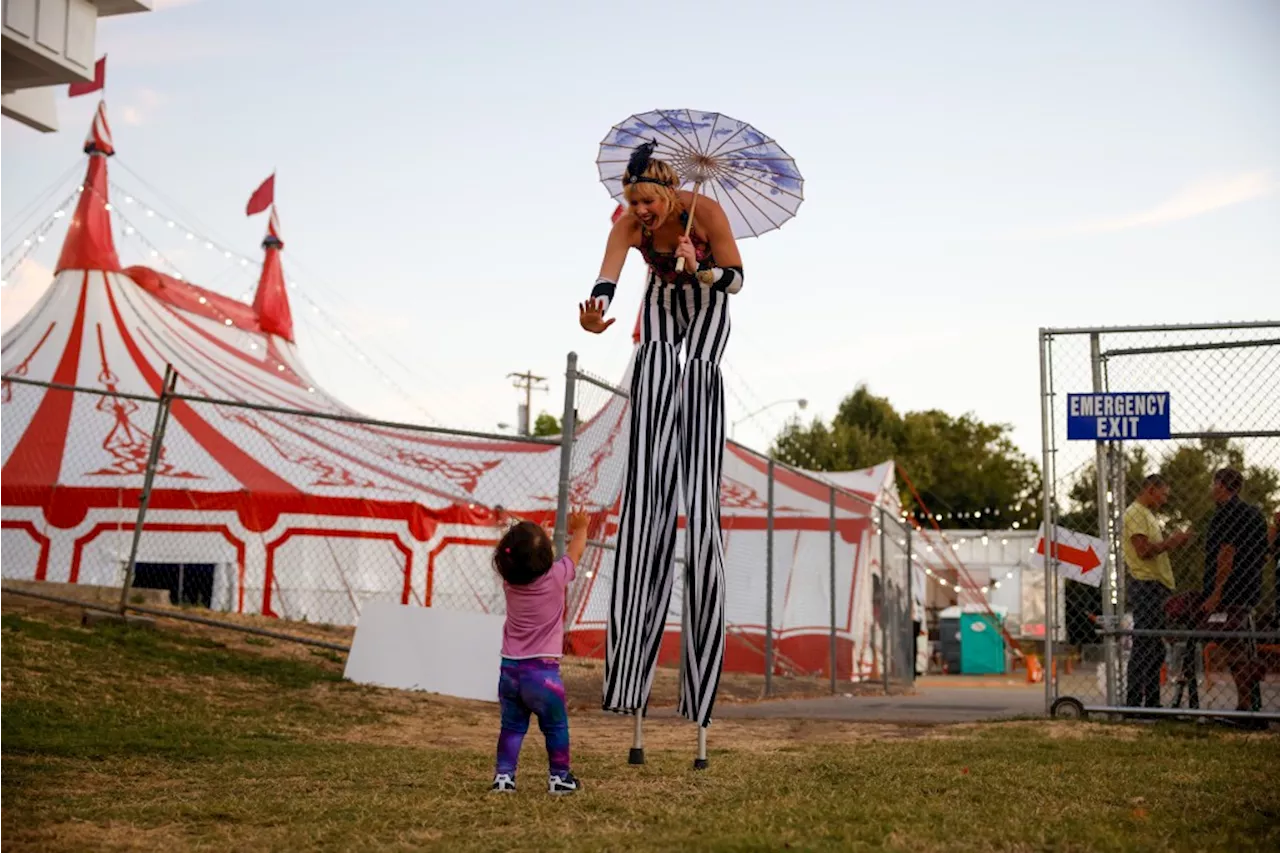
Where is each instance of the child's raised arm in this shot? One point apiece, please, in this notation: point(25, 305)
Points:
point(577, 535)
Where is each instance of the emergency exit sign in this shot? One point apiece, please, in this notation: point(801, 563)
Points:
point(1118, 416)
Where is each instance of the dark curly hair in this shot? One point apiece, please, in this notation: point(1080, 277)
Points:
point(524, 554)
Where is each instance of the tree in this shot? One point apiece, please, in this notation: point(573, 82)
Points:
point(962, 467)
point(546, 425)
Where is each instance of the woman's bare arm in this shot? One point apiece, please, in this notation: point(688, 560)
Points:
point(624, 235)
point(715, 224)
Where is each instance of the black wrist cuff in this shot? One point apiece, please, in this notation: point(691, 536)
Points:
point(603, 293)
point(730, 280)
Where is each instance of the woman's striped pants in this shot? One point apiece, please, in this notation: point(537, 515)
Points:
point(677, 440)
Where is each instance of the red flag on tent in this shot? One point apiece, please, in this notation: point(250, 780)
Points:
point(262, 198)
point(99, 80)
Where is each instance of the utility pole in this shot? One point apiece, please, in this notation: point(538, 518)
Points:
point(529, 383)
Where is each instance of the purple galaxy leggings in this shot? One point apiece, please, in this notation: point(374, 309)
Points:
point(532, 687)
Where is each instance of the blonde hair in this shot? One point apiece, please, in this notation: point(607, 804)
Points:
point(656, 170)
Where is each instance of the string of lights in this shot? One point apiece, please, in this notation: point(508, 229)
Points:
point(935, 573)
point(17, 220)
point(319, 317)
point(34, 238)
point(246, 338)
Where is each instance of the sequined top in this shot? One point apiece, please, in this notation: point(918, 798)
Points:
point(663, 264)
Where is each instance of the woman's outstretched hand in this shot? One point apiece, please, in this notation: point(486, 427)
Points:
point(591, 316)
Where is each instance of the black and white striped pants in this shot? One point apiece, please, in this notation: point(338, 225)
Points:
point(677, 439)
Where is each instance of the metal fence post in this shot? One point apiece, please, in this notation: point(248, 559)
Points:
point(1050, 551)
point(910, 634)
point(832, 567)
point(891, 638)
point(768, 592)
point(910, 555)
point(1101, 480)
point(568, 427)
point(886, 658)
point(1118, 503)
point(884, 570)
point(153, 457)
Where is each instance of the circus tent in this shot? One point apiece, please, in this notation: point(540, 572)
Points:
point(302, 514)
point(301, 508)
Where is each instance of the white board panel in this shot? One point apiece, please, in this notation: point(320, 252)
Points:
point(424, 648)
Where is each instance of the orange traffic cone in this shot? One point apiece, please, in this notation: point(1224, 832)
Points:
point(1035, 672)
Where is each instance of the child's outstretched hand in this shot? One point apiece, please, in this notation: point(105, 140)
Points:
point(577, 534)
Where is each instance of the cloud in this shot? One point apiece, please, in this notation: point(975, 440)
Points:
point(1196, 199)
point(143, 105)
point(23, 290)
point(161, 5)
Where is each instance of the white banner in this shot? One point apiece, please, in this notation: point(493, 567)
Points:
point(1081, 557)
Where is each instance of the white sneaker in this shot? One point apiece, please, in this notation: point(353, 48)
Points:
point(566, 784)
point(503, 783)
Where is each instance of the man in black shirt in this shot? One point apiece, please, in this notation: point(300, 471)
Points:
point(1235, 550)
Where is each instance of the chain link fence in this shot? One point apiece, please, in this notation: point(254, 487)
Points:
point(818, 577)
point(1162, 485)
point(288, 521)
point(253, 510)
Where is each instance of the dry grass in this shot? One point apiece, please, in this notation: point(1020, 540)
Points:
point(583, 677)
point(190, 738)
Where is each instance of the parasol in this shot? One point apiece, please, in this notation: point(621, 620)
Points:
point(754, 180)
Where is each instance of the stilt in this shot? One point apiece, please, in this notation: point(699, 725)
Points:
point(636, 756)
point(700, 763)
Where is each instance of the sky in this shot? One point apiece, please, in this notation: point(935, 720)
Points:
point(973, 172)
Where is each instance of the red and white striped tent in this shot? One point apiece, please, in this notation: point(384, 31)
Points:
point(305, 516)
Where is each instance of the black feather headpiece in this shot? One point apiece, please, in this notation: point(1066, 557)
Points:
point(639, 164)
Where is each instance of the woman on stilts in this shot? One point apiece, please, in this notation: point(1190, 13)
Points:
point(677, 438)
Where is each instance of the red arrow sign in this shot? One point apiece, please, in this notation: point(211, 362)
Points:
point(1087, 560)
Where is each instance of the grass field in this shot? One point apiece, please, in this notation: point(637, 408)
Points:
point(193, 738)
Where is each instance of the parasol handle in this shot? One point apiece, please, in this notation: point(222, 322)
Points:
point(689, 225)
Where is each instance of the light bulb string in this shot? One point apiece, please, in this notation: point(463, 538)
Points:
point(334, 330)
point(34, 238)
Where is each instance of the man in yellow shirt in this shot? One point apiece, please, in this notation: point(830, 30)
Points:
point(1146, 554)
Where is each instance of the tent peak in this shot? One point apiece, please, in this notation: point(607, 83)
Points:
point(89, 244)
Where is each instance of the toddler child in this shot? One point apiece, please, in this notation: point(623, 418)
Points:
point(534, 583)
